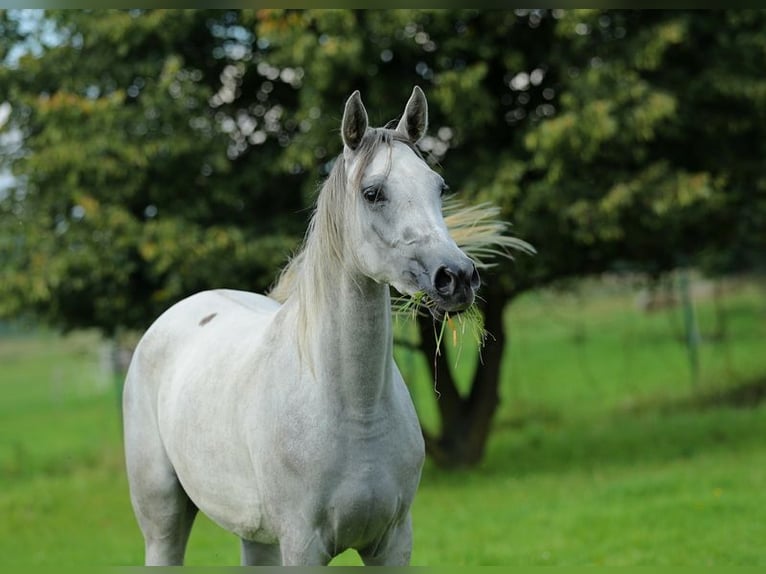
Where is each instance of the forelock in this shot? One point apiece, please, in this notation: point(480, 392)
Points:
point(372, 140)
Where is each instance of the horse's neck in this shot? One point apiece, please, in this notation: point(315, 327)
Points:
point(352, 353)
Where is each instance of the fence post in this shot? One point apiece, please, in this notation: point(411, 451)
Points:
point(690, 324)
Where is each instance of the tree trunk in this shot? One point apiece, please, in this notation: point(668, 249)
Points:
point(466, 421)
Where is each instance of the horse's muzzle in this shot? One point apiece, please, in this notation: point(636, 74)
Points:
point(455, 285)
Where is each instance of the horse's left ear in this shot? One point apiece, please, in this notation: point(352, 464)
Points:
point(414, 122)
point(354, 122)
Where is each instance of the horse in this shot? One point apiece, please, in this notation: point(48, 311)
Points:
point(284, 418)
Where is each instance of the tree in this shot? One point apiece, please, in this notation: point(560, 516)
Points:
point(611, 139)
point(130, 190)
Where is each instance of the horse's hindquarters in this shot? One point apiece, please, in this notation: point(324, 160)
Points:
point(182, 408)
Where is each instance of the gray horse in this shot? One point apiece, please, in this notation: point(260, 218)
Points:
point(289, 423)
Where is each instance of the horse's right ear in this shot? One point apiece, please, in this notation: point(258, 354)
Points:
point(354, 122)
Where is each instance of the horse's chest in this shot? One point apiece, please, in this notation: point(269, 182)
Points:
point(359, 479)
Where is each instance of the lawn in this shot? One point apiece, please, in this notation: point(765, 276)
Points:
point(605, 451)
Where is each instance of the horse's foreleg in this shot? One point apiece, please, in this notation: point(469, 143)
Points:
point(394, 549)
point(257, 554)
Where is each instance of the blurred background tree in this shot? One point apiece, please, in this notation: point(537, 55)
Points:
point(129, 191)
point(158, 153)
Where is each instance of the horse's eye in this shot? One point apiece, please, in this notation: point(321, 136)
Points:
point(372, 194)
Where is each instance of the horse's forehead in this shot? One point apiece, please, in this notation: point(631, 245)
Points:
point(398, 161)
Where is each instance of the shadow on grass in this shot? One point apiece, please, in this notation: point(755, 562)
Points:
point(649, 433)
point(747, 395)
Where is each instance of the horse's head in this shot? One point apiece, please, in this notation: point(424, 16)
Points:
point(399, 236)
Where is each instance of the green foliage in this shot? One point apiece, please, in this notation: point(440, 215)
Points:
point(130, 194)
point(625, 167)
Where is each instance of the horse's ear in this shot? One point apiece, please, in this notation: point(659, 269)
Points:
point(354, 122)
point(414, 122)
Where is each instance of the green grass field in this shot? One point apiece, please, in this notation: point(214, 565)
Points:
point(604, 450)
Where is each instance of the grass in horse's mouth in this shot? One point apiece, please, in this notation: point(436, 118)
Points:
point(469, 322)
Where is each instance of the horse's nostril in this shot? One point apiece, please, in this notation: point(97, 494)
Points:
point(450, 282)
point(475, 279)
point(444, 281)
